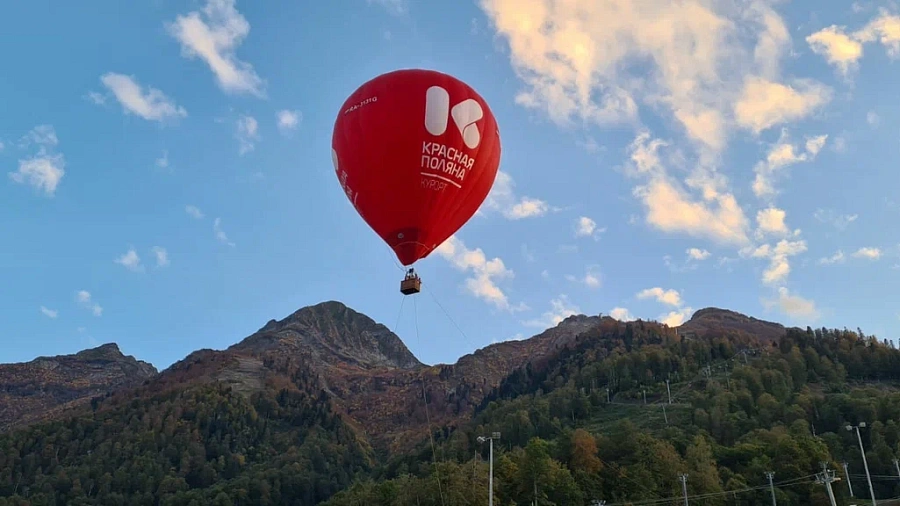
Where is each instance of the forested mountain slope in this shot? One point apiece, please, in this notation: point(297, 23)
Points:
point(739, 409)
point(583, 411)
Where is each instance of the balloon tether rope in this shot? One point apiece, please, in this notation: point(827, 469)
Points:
point(437, 471)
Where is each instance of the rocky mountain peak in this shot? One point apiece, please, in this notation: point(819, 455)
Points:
point(35, 389)
point(719, 320)
point(333, 333)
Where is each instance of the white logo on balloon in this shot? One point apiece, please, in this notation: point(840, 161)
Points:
point(465, 114)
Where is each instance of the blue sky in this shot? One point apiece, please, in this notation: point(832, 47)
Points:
point(168, 183)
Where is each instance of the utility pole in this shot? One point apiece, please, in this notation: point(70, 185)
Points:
point(607, 395)
point(771, 475)
point(865, 464)
point(482, 439)
point(826, 477)
point(644, 390)
point(847, 475)
point(897, 467)
point(683, 479)
point(669, 391)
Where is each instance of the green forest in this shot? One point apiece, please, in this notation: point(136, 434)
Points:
point(616, 419)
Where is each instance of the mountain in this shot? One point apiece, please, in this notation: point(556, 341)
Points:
point(308, 405)
point(332, 334)
point(715, 321)
point(46, 386)
point(373, 380)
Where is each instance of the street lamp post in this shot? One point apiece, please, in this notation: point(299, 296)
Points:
point(482, 439)
point(863, 452)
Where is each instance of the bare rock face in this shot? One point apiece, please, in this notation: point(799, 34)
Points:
point(32, 391)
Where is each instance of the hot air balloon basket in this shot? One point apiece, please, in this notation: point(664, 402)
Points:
point(410, 286)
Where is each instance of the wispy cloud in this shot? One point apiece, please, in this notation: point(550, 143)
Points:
point(288, 120)
point(220, 234)
point(85, 300)
point(247, 133)
point(45, 169)
point(213, 34)
point(503, 198)
point(485, 274)
point(130, 260)
point(151, 105)
point(162, 256)
point(193, 212)
point(560, 309)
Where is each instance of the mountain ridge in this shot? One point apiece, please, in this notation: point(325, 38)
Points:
point(373, 379)
point(48, 385)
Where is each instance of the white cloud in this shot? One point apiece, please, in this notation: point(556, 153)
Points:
point(670, 207)
point(163, 161)
point(596, 61)
point(779, 265)
point(840, 221)
point(502, 198)
point(193, 212)
point(84, 299)
point(213, 35)
point(677, 317)
point(697, 254)
point(162, 256)
point(49, 313)
point(152, 105)
point(837, 258)
point(713, 68)
point(872, 119)
point(395, 7)
point(220, 234)
point(45, 170)
point(765, 104)
point(794, 306)
point(130, 260)
point(560, 309)
point(484, 273)
point(528, 253)
point(586, 227)
point(247, 133)
point(844, 50)
point(782, 155)
point(771, 221)
point(288, 120)
point(667, 297)
point(42, 135)
point(96, 98)
point(621, 314)
point(591, 278)
point(837, 47)
point(868, 253)
point(672, 298)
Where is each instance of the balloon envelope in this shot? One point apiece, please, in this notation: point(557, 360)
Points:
point(416, 152)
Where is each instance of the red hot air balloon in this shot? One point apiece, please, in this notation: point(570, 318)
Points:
point(416, 152)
